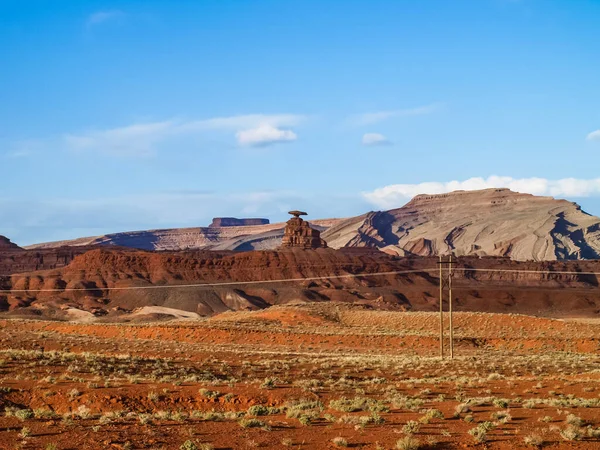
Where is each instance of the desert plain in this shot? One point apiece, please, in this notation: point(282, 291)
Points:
point(301, 376)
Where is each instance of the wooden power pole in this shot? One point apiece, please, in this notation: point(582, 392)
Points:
point(446, 282)
point(450, 306)
point(441, 309)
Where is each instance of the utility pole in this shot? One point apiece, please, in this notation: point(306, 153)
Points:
point(450, 306)
point(441, 310)
point(446, 281)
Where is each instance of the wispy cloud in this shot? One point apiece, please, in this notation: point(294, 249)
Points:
point(99, 17)
point(379, 116)
point(143, 139)
point(396, 195)
point(372, 139)
point(264, 135)
point(594, 136)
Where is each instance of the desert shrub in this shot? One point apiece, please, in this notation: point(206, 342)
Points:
point(500, 403)
point(51, 446)
point(431, 414)
point(145, 419)
point(188, 445)
point(253, 423)
point(501, 416)
point(411, 427)
point(572, 419)
point(376, 419)
point(404, 402)
point(23, 414)
point(304, 410)
point(408, 443)
point(269, 383)
point(306, 419)
point(43, 413)
point(533, 440)
point(208, 393)
point(571, 433)
point(339, 442)
point(25, 433)
point(357, 404)
point(73, 394)
point(479, 433)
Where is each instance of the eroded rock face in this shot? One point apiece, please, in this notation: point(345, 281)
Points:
point(299, 234)
point(489, 222)
point(516, 287)
point(5, 243)
point(233, 222)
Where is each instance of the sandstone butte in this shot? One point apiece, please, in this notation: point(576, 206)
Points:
point(491, 222)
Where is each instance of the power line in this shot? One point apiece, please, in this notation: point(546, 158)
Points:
point(288, 280)
point(558, 272)
point(228, 283)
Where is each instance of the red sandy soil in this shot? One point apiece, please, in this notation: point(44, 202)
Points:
point(103, 386)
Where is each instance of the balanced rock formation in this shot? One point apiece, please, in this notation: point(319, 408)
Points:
point(489, 222)
point(233, 222)
point(298, 233)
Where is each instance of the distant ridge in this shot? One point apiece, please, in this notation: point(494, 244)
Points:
point(489, 222)
point(233, 222)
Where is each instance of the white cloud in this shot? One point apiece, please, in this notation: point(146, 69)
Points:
point(264, 135)
point(103, 16)
point(594, 136)
point(143, 139)
point(396, 195)
point(380, 116)
point(374, 139)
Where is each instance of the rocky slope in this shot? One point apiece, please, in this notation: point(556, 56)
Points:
point(495, 222)
point(100, 281)
point(6, 244)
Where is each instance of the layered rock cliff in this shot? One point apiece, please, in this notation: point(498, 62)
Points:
point(492, 222)
point(105, 281)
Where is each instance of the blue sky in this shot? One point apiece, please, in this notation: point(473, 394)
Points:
point(125, 115)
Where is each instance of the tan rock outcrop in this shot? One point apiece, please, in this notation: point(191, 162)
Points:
point(489, 222)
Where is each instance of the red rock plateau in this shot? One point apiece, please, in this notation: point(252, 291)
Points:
point(491, 222)
point(110, 282)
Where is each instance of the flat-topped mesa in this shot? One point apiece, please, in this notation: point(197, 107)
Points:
point(299, 234)
point(218, 222)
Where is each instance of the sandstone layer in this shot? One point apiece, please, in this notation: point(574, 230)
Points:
point(492, 222)
point(110, 281)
